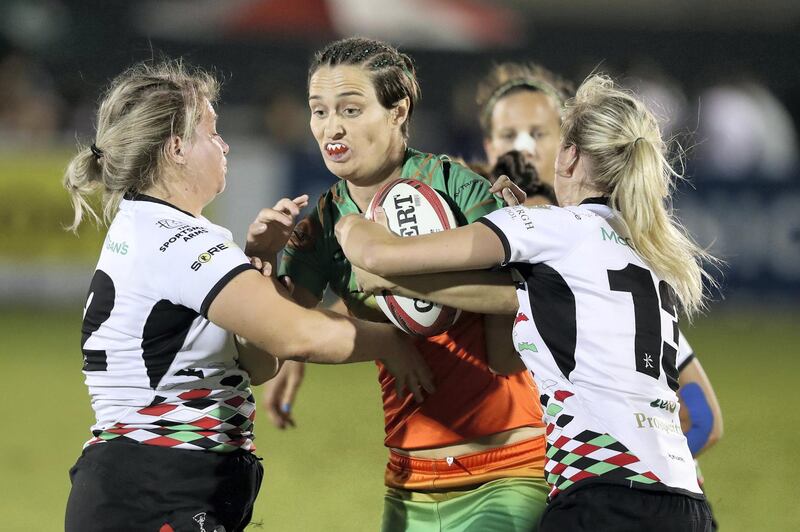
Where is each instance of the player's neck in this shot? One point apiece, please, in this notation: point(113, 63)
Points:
point(177, 194)
point(363, 192)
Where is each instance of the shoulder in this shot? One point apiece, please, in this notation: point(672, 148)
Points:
point(467, 192)
point(170, 239)
point(567, 223)
point(439, 170)
point(421, 165)
point(462, 176)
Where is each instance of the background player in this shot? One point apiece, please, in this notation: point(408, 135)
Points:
point(519, 110)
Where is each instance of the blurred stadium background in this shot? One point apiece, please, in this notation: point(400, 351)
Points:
point(724, 75)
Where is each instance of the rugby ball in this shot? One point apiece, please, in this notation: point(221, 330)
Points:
point(413, 208)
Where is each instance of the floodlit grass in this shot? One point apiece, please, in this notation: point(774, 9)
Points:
point(327, 474)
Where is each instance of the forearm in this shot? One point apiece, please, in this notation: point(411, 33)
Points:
point(702, 421)
point(262, 311)
point(479, 291)
point(371, 247)
point(336, 339)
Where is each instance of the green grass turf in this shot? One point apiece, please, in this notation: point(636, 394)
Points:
point(327, 474)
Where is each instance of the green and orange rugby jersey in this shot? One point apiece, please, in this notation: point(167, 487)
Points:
point(470, 401)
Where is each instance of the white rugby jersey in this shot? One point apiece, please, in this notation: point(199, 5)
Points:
point(599, 332)
point(158, 371)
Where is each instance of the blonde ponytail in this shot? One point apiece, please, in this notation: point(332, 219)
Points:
point(82, 179)
point(627, 160)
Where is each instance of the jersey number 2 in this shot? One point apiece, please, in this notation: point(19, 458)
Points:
point(99, 305)
point(648, 343)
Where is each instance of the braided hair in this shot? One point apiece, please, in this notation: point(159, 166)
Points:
point(393, 74)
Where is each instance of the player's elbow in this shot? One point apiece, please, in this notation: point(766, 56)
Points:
point(508, 304)
point(261, 375)
point(298, 349)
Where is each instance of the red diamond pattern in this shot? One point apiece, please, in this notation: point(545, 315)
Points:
point(235, 401)
point(157, 410)
point(585, 449)
point(622, 459)
point(195, 394)
point(163, 441)
point(206, 422)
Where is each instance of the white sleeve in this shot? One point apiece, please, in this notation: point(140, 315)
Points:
point(533, 234)
point(685, 352)
point(195, 271)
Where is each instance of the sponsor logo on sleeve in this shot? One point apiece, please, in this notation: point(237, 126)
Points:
point(186, 233)
point(467, 185)
point(120, 248)
point(170, 224)
point(521, 214)
point(206, 256)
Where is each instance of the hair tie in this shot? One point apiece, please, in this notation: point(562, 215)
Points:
point(96, 151)
point(637, 140)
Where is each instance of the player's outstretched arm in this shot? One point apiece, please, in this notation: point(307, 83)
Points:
point(701, 417)
point(370, 246)
point(261, 310)
point(480, 291)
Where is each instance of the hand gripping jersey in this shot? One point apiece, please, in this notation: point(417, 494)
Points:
point(158, 371)
point(599, 331)
point(469, 401)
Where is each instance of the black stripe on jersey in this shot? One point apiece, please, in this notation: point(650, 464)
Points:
point(501, 235)
point(100, 303)
point(686, 362)
point(162, 337)
point(669, 353)
point(553, 309)
point(217, 288)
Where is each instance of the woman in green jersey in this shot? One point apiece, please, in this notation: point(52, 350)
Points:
point(470, 456)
